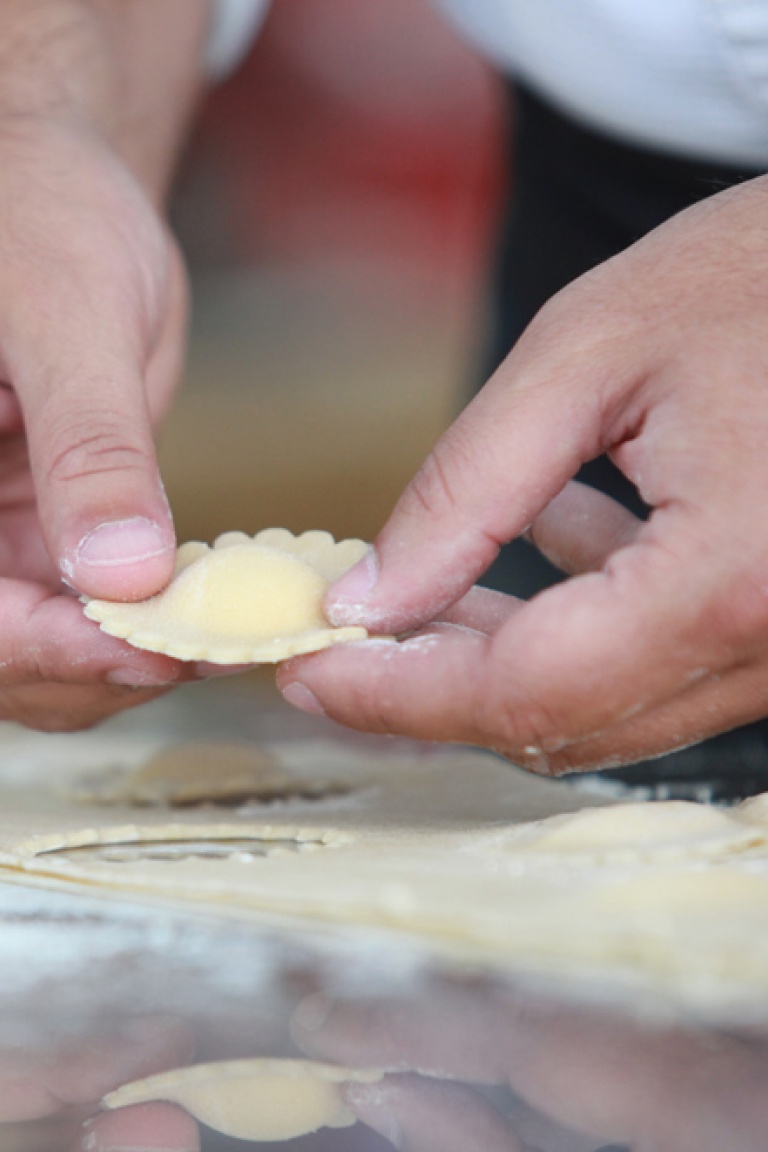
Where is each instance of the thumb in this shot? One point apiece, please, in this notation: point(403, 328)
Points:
point(101, 504)
point(513, 449)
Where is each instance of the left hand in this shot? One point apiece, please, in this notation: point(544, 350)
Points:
point(94, 103)
point(92, 317)
point(51, 1099)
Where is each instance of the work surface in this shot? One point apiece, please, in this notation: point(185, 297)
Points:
point(417, 880)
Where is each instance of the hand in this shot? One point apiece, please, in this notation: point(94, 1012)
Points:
point(91, 338)
point(660, 638)
point(51, 1099)
point(94, 103)
point(580, 1078)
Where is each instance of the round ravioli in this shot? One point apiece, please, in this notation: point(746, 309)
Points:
point(253, 1099)
point(245, 600)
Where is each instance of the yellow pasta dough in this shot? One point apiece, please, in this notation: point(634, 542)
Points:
point(630, 832)
point(472, 858)
point(253, 1099)
point(221, 774)
point(245, 600)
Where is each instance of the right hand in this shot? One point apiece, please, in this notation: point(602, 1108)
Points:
point(581, 1078)
point(92, 319)
point(659, 638)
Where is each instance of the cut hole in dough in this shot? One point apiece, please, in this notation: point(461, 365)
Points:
point(172, 851)
point(175, 842)
point(245, 600)
point(253, 1099)
point(211, 775)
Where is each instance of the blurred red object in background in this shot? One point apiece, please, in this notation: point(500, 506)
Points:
point(356, 132)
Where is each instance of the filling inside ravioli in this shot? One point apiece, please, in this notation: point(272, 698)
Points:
point(246, 600)
point(249, 592)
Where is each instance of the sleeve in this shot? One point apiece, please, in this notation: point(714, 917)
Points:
point(234, 24)
point(745, 24)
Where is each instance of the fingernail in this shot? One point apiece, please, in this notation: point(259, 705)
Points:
point(302, 698)
point(131, 678)
point(369, 1103)
point(534, 760)
point(122, 542)
point(312, 1012)
point(349, 593)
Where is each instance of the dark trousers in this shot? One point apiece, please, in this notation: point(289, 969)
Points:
point(577, 198)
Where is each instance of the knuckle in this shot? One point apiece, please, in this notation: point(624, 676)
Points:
point(76, 454)
point(384, 713)
point(431, 491)
point(559, 319)
point(735, 618)
point(377, 703)
point(522, 728)
point(448, 471)
point(563, 334)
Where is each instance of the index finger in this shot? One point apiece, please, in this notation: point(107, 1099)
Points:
point(558, 400)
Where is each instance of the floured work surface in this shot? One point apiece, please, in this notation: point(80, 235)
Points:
point(453, 847)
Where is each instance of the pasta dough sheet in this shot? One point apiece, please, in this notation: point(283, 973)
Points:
point(455, 848)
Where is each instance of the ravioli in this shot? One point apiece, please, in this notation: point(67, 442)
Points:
point(244, 600)
point(253, 1099)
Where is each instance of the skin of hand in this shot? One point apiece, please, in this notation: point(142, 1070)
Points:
point(660, 636)
point(94, 97)
point(50, 1099)
point(582, 1078)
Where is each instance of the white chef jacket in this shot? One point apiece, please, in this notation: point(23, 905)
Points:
point(687, 76)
